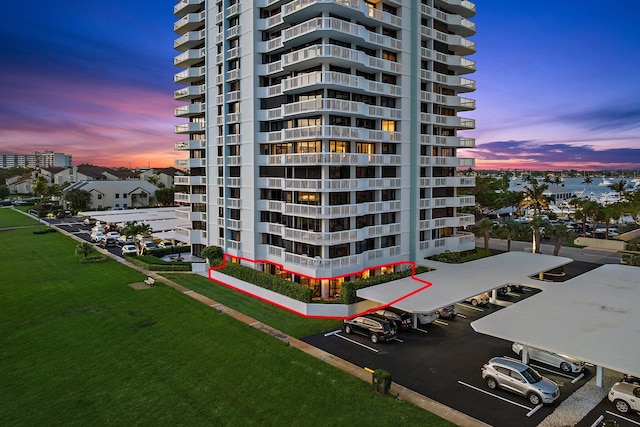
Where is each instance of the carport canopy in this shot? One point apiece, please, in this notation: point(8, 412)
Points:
point(451, 283)
point(593, 317)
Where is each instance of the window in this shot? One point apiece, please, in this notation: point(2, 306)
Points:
point(117, 195)
point(339, 251)
point(339, 147)
point(388, 125)
point(365, 148)
point(389, 56)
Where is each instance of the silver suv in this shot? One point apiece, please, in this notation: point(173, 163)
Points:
point(516, 377)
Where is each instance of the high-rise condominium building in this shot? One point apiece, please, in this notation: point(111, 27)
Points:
point(322, 135)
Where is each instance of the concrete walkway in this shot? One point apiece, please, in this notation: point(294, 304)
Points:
point(402, 393)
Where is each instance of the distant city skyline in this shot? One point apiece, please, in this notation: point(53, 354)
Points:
point(557, 85)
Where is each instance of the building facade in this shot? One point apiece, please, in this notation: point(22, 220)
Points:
point(321, 136)
point(44, 159)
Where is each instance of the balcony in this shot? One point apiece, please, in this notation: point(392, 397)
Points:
point(190, 163)
point(448, 121)
point(188, 215)
point(331, 159)
point(457, 83)
point(190, 75)
point(189, 40)
point(457, 102)
point(191, 127)
point(189, 22)
point(193, 237)
point(338, 132)
point(460, 7)
point(186, 6)
point(453, 181)
point(341, 56)
point(338, 106)
point(453, 202)
point(189, 58)
point(188, 93)
point(190, 198)
point(190, 180)
point(300, 10)
point(335, 80)
point(189, 110)
point(190, 144)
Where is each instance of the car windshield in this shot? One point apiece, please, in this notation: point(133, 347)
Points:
point(531, 376)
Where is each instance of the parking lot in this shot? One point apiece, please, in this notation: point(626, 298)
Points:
point(442, 361)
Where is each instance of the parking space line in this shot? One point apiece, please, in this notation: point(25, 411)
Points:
point(495, 395)
point(624, 418)
point(397, 339)
point(421, 330)
point(578, 378)
point(470, 307)
point(356, 342)
point(534, 410)
point(461, 315)
point(440, 322)
point(332, 333)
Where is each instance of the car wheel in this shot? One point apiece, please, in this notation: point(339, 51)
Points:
point(474, 302)
point(347, 329)
point(534, 399)
point(565, 367)
point(438, 314)
point(491, 383)
point(374, 338)
point(622, 406)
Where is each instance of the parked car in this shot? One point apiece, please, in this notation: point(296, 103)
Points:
point(124, 240)
point(626, 397)
point(113, 234)
point(107, 242)
point(376, 328)
point(426, 318)
point(128, 250)
point(516, 377)
point(482, 299)
point(400, 318)
point(448, 312)
point(626, 378)
point(565, 363)
point(149, 246)
point(165, 244)
point(96, 236)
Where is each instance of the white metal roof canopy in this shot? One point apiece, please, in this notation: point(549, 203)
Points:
point(452, 283)
point(594, 317)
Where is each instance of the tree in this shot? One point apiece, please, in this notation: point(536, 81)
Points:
point(618, 187)
point(509, 230)
point(558, 234)
point(512, 199)
point(534, 196)
point(85, 249)
point(40, 187)
point(587, 179)
point(4, 191)
point(589, 209)
point(78, 200)
point(213, 253)
point(537, 225)
point(54, 190)
point(483, 229)
point(612, 211)
point(165, 196)
point(136, 231)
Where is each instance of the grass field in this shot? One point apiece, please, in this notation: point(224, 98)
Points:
point(78, 346)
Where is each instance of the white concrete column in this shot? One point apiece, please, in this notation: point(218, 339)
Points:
point(599, 376)
point(525, 354)
point(325, 289)
point(494, 296)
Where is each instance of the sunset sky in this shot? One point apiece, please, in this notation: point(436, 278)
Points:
point(558, 84)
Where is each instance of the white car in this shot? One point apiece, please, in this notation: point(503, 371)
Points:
point(129, 250)
point(113, 235)
point(482, 299)
point(426, 318)
point(625, 396)
point(97, 236)
point(565, 363)
point(165, 245)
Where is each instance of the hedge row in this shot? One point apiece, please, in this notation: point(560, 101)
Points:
point(149, 262)
point(461, 257)
point(348, 292)
point(267, 281)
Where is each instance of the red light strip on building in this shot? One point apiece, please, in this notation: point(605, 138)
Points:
point(228, 285)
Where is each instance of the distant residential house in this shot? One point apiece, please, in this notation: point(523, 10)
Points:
point(163, 177)
point(52, 174)
point(21, 184)
point(116, 194)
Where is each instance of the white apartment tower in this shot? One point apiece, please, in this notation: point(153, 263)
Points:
point(321, 136)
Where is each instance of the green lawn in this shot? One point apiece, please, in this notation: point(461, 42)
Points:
point(78, 346)
point(10, 218)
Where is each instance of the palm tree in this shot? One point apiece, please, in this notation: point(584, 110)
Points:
point(618, 187)
point(589, 209)
point(483, 229)
point(534, 196)
point(509, 230)
point(537, 224)
point(40, 187)
point(558, 234)
point(85, 249)
point(136, 231)
point(587, 179)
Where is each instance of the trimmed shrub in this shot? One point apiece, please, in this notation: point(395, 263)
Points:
point(461, 257)
point(381, 381)
point(267, 281)
point(348, 291)
point(152, 263)
point(45, 231)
